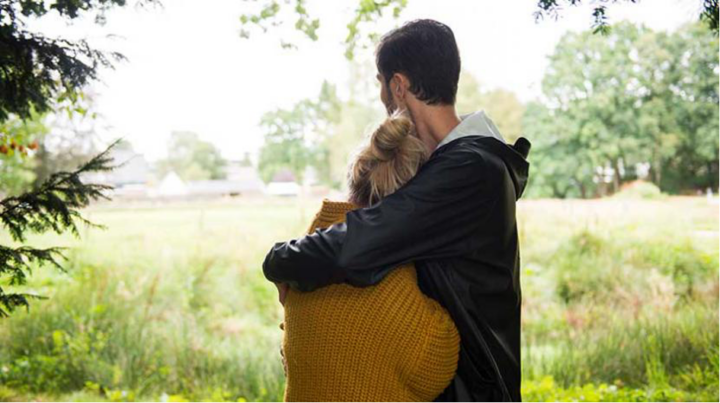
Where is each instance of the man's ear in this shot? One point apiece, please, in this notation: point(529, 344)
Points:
point(399, 85)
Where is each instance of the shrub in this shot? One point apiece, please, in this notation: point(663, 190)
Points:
point(640, 190)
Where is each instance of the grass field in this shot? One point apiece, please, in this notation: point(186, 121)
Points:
point(620, 302)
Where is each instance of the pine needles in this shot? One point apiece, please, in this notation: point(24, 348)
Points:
point(54, 206)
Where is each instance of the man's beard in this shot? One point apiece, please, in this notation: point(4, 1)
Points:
point(391, 108)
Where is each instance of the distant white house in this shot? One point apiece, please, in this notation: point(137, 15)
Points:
point(240, 181)
point(310, 176)
point(135, 179)
point(243, 182)
point(133, 169)
point(130, 177)
point(283, 184)
point(246, 179)
point(170, 186)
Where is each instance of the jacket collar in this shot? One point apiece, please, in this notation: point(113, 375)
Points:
point(474, 124)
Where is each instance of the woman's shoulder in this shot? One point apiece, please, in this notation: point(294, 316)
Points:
point(331, 212)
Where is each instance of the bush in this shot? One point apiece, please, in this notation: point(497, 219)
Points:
point(589, 267)
point(640, 190)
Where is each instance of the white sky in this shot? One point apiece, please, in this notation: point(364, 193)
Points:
point(188, 69)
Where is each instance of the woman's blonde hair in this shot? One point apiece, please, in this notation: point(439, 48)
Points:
point(392, 158)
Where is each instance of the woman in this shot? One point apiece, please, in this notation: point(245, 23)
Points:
point(387, 342)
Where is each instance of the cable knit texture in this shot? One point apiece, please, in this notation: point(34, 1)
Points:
point(387, 342)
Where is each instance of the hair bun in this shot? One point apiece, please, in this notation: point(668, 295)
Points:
point(389, 137)
point(390, 160)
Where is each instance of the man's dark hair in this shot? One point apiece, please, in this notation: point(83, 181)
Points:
point(426, 52)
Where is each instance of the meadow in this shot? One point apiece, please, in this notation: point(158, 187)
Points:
point(620, 302)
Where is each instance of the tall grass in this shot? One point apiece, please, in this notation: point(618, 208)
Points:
point(152, 340)
point(170, 303)
point(616, 304)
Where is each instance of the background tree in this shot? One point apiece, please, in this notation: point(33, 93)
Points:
point(295, 138)
point(37, 71)
point(708, 10)
point(692, 86)
point(192, 159)
point(634, 96)
point(323, 133)
point(38, 75)
point(16, 159)
point(54, 206)
point(501, 105)
point(70, 139)
point(271, 14)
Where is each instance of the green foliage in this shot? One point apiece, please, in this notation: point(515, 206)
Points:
point(192, 158)
point(37, 71)
point(54, 206)
point(552, 8)
point(194, 322)
point(146, 312)
point(641, 97)
point(16, 174)
point(710, 14)
point(295, 138)
point(366, 13)
point(101, 337)
point(591, 267)
point(546, 390)
point(321, 133)
point(72, 140)
point(273, 13)
point(502, 106)
point(640, 190)
point(18, 140)
point(654, 350)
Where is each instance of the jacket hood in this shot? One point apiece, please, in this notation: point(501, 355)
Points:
point(514, 156)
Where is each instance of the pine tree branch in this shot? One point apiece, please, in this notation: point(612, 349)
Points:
point(54, 206)
point(10, 302)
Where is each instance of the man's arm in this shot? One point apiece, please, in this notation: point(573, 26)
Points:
point(432, 216)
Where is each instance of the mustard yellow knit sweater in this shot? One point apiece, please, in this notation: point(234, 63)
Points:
point(387, 342)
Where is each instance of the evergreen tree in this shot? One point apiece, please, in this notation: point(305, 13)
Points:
point(38, 71)
point(54, 206)
point(41, 74)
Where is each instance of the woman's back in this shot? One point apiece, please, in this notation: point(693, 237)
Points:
point(387, 342)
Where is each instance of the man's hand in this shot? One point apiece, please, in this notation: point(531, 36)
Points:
point(283, 289)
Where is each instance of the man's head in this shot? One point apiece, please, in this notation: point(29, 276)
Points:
point(418, 63)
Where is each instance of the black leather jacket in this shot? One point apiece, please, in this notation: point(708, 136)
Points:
point(456, 220)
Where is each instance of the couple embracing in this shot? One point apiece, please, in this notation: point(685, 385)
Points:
point(409, 290)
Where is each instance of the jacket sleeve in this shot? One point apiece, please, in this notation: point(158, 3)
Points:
point(434, 215)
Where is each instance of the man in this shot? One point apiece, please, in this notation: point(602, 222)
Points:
point(455, 219)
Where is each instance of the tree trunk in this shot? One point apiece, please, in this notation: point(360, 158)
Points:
point(616, 177)
point(657, 173)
